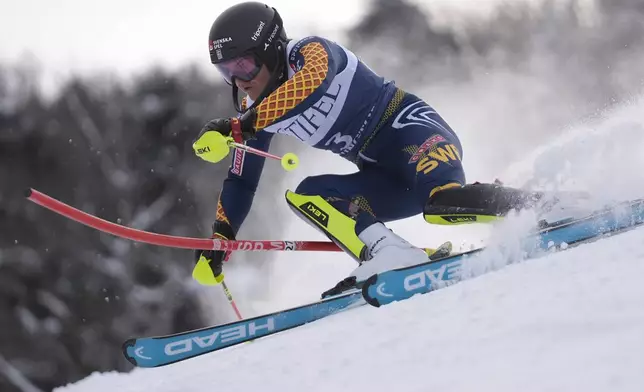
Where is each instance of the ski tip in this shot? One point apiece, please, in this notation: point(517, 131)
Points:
point(365, 291)
point(130, 343)
point(28, 193)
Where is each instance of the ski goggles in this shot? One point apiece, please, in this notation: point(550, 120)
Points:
point(244, 68)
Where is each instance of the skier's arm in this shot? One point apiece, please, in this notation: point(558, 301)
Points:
point(316, 62)
point(239, 187)
point(235, 200)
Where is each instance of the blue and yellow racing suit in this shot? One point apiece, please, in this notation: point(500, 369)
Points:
point(405, 152)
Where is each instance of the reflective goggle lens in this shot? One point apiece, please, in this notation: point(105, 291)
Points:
point(243, 68)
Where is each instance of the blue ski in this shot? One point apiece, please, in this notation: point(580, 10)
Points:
point(400, 284)
point(381, 289)
point(164, 350)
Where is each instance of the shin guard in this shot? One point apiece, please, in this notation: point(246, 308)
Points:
point(337, 226)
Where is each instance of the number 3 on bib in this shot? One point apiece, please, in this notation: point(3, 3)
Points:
point(339, 138)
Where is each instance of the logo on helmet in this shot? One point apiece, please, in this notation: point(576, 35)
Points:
point(270, 38)
point(258, 31)
point(217, 44)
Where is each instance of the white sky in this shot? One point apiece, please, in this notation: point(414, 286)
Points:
point(126, 35)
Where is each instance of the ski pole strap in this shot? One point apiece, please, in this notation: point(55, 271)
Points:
point(236, 131)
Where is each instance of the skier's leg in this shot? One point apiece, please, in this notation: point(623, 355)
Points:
point(351, 209)
point(421, 147)
point(343, 206)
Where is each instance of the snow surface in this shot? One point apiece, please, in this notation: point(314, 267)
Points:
point(569, 321)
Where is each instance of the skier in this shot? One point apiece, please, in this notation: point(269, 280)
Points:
point(313, 89)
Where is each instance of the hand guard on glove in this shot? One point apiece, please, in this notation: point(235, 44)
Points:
point(241, 129)
point(208, 269)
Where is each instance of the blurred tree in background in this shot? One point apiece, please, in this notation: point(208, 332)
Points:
point(521, 73)
point(399, 36)
point(69, 295)
point(589, 51)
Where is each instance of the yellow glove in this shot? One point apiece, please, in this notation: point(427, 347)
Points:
point(208, 269)
point(207, 272)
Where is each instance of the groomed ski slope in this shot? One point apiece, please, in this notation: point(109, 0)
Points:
point(569, 321)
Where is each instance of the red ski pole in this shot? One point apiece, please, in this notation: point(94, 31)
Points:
point(231, 301)
point(169, 240)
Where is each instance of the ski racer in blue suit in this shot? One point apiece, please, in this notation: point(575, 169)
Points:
point(313, 89)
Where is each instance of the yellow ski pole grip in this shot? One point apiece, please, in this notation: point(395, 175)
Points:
point(212, 146)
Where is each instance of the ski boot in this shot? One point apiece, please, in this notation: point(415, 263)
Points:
point(386, 251)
